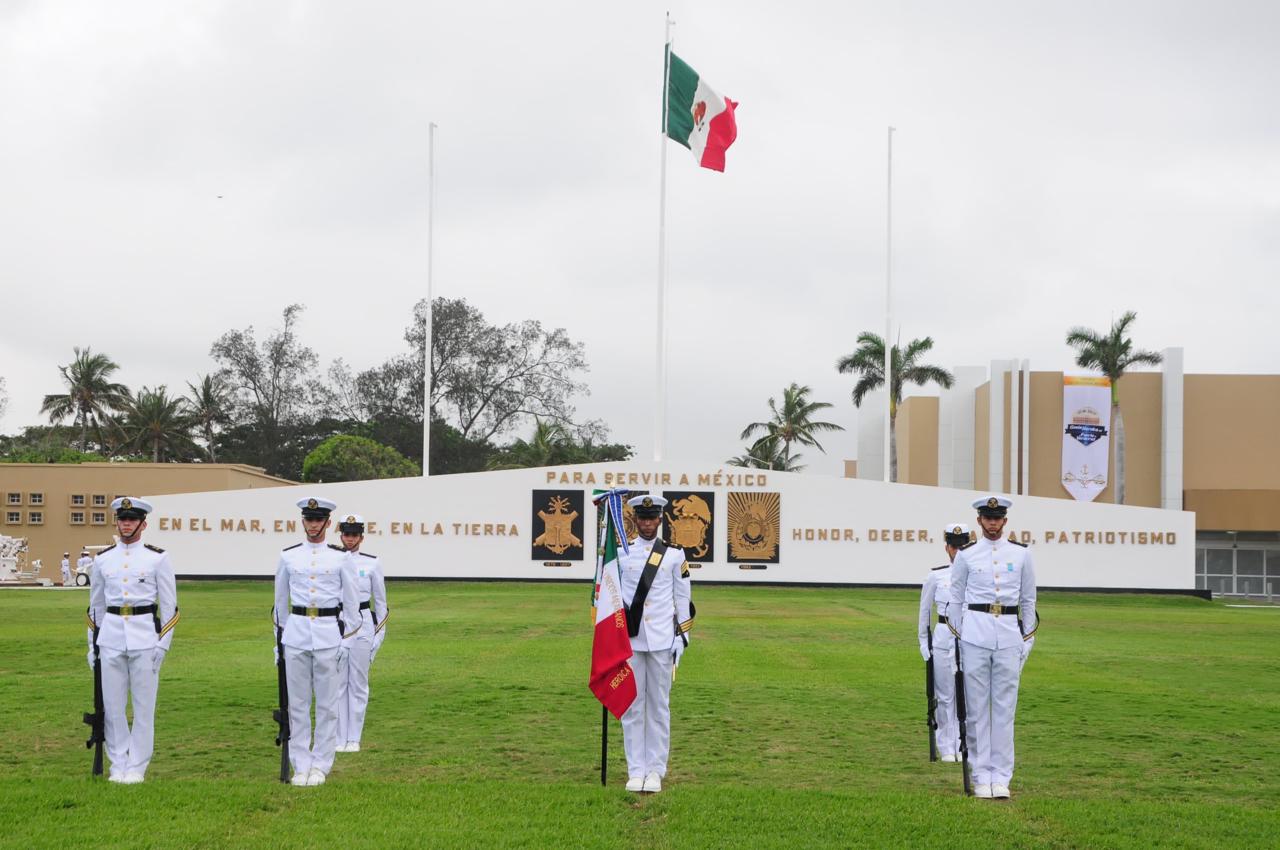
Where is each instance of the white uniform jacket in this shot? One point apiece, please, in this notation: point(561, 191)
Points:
point(986, 572)
point(371, 589)
point(316, 576)
point(667, 607)
point(936, 592)
point(127, 576)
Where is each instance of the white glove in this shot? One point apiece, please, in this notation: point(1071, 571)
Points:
point(924, 650)
point(90, 658)
point(676, 652)
point(377, 644)
point(1026, 648)
point(344, 652)
point(157, 658)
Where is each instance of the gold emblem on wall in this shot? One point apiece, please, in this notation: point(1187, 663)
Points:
point(754, 521)
point(690, 523)
point(560, 513)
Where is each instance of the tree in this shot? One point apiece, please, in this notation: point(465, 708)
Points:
point(158, 423)
point(209, 404)
point(792, 422)
point(269, 383)
point(349, 458)
point(485, 379)
point(92, 398)
point(1112, 354)
point(45, 444)
point(766, 453)
point(867, 361)
point(551, 444)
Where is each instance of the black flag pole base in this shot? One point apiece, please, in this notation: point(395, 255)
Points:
point(604, 745)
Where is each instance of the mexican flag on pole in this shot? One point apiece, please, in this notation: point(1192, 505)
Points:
point(697, 117)
point(612, 680)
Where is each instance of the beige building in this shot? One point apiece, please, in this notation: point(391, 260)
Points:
point(1202, 443)
point(63, 507)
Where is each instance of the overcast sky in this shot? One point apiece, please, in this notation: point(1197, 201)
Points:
point(172, 170)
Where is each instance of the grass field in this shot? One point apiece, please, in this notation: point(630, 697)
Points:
point(798, 721)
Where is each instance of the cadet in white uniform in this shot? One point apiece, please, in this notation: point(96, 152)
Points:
point(659, 617)
point(66, 569)
point(133, 607)
point(371, 590)
point(82, 566)
point(993, 596)
point(316, 603)
point(939, 642)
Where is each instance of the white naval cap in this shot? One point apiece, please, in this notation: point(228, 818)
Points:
point(313, 507)
point(350, 519)
point(992, 506)
point(647, 506)
point(131, 507)
point(956, 533)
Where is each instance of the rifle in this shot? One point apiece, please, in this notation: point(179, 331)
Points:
point(931, 702)
point(960, 716)
point(281, 714)
point(96, 721)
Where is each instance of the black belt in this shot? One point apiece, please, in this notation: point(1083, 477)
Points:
point(364, 606)
point(130, 610)
point(314, 612)
point(942, 620)
point(995, 609)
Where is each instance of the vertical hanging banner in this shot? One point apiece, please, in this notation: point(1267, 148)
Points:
point(1086, 441)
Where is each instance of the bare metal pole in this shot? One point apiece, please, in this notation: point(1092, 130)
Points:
point(426, 350)
point(888, 317)
point(660, 406)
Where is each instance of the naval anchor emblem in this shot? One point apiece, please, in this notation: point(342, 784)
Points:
point(560, 513)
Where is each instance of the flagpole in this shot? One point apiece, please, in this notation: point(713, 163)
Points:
point(888, 318)
point(660, 407)
point(426, 348)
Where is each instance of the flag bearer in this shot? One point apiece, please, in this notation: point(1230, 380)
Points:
point(993, 610)
point(317, 606)
point(133, 607)
point(655, 585)
point(371, 590)
point(940, 644)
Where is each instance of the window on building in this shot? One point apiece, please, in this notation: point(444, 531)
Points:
point(76, 518)
point(13, 498)
point(13, 517)
point(77, 500)
point(99, 517)
point(35, 498)
point(35, 517)
point(99, 500)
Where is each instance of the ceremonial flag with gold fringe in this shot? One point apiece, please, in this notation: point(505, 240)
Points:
point(612, 680)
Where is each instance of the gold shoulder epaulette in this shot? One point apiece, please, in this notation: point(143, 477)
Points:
point(155, 549)
point(1017, 543)
point(337, 547)
point(967, 545)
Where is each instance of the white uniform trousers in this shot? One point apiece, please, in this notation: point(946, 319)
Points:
point(991, 700)
point(311, 671)
point(646, 725)
point(944, 690)
point(353, 689)
point(125, 674)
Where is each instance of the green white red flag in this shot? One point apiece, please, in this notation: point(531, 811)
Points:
point(697, 117)
point(612, 679)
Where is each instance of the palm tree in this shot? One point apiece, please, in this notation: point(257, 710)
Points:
point(157, 421)
point(765, 453)
point(209, 404)
point(792, 422)
point(91, 397)
point(546, 447)
point(868, 363)
point(1112, 354)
